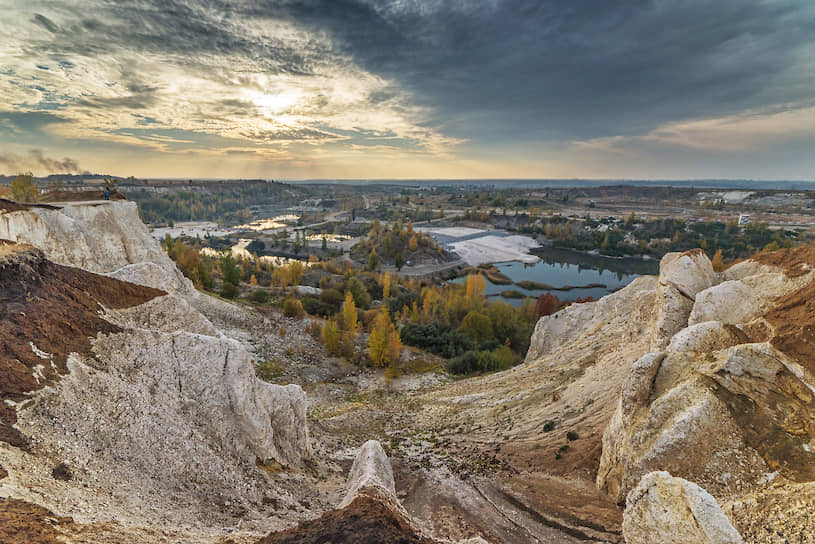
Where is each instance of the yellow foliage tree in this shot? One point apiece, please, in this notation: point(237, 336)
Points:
point(330, 335)
point(474, 286)
point(431, 302)
point(386, 285)
point(384, 345)
point(349, 314)
point(413, 244)
point(718, 261)
point(253, 281)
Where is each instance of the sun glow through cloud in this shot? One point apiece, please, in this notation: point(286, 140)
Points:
point(409, 89)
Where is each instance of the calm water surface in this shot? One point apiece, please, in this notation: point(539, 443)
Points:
point(561, 268)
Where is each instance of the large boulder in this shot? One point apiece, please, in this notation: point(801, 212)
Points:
point(662, 509)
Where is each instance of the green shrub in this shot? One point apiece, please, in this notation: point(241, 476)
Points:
point(549, 426)
point(260, 296)
point(472, 361)
point(333, 299)
point(437, 339)
point(230, 290)
point(269, 370)
point(572, 435)
point(293, 308)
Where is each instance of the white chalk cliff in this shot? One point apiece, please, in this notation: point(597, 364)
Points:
point(168, 410)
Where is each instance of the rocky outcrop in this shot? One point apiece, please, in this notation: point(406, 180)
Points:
point(681, 277)
point(729, 403)
point(134, 388)
point(662, 509)
point(745, 411)
point(370, 513)
point(100, 237)
point(579, 321)
point(371, 472)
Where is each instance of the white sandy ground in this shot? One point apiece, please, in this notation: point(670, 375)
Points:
point(496, 249)
point(191, 228)
point(456, 232)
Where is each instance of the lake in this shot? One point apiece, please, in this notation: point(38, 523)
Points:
point(560, 268)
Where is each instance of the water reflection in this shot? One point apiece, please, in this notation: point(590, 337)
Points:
point(569, 275)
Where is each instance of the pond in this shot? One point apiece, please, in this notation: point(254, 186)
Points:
point(568, 275)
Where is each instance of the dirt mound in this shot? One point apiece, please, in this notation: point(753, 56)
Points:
point(48, 311)
point(366, 520)
point(793, 321)
point(7, 205)
point(793, 315)
point(794, 261)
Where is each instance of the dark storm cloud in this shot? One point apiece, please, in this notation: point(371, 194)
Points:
point(495, 71)
point(578, 68)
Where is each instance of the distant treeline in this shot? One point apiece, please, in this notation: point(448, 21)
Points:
point(228, 205)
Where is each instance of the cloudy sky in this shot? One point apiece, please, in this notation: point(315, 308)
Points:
point(409, 88)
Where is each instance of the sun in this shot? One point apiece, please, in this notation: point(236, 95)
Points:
point(274, 103)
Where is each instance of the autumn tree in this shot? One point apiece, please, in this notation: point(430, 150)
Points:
point(384, 345)
point(547, 304)
point(330, 335)
point(24, 189)
point(385, 282)
point(349, 325)
point(718, 261)
point(413, 244)
point(474, 286)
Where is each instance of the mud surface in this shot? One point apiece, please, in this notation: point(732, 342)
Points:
point(48, 311)
point(366, 520)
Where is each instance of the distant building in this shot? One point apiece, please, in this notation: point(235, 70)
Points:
point(744, 219)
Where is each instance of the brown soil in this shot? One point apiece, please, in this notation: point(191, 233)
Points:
point(367, 520)
point(793, 321)
point(3, 473)
point(12, 206)
point(795, 261)
point(57, 309)
point(793, 318)
point(24, 523)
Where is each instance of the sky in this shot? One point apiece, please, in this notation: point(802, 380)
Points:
point(389, 89)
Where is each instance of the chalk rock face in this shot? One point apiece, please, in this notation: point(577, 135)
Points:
point(630, 305)
point(707, 336)
point(210, 382)
point(742, 300)
point(662, 509)
point(371, 471)
point(681, 277)
point(99, 237)
point(724, 419)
